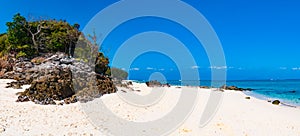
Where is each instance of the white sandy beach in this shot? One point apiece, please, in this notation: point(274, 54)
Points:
point(236, 115)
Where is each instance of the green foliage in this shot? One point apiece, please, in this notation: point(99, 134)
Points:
point(42, 36)
point(3, 39)
point(108, 71)
point(18, 40)
point(61, 36)
point(119, 73)
point(30, 38)
point(21, 54)
point(16, 32)
point(89, 52)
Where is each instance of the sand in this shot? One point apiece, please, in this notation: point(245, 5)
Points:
point(236, 116)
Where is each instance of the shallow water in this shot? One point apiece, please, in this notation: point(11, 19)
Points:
point(287, 91)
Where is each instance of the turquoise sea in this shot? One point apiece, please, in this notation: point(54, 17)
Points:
point(287, 91)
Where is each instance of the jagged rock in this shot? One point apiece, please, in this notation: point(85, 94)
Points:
point(153, 84)
point(56, 85)
point(38, 60)
point(22, 98)
point(66, 61)
point(129, 83)
point(70, 100)
point(56, 77)
point(166, 85)
point(15, 85)
point(54, 58)
point(6, 65)
point(225, 87)
point(204, 87)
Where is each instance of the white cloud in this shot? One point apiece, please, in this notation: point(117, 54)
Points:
point(195, 67)
point(123, 68)
point(135, 69)
point(161, 69)
point(219, 67)
point(240, 68)
point(149, 68)
point(283, 68)
point(296, 68)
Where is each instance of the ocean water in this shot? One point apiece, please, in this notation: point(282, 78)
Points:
point(287, 91)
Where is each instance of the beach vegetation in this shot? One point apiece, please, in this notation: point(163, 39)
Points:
point(119, 73)
point(31, 38)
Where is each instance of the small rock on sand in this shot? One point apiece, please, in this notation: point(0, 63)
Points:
point(276, 102)
point(2, 129)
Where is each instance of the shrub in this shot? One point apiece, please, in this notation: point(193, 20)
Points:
point(21, 54)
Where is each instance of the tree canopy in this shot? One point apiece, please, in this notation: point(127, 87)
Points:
point(119, 74)
point(32, 38)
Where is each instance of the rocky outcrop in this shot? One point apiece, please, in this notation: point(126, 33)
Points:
point(225, 87)
point(53, 85)
point(6, 64)
point(56, 77)
point(153, 83)
point(166, 85)
point(204, 87)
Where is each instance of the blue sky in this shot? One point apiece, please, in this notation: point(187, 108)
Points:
point(260, 38)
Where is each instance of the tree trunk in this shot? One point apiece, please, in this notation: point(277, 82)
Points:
point(36, 46)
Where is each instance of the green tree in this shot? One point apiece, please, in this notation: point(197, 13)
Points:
point(3, 39)
point(119, 73)
point(40, 36)
point(30, 38)
point(17, 34)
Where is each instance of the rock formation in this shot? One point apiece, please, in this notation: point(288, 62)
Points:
point(56, 77)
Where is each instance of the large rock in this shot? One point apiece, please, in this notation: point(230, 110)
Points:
point(6, 65)
point(53, 86)
point(225, 87)
point(56, 77)
point(153, 83)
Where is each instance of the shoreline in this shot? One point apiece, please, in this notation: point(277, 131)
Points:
point(235, 116)
point(251, 93)
point(270, 99)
